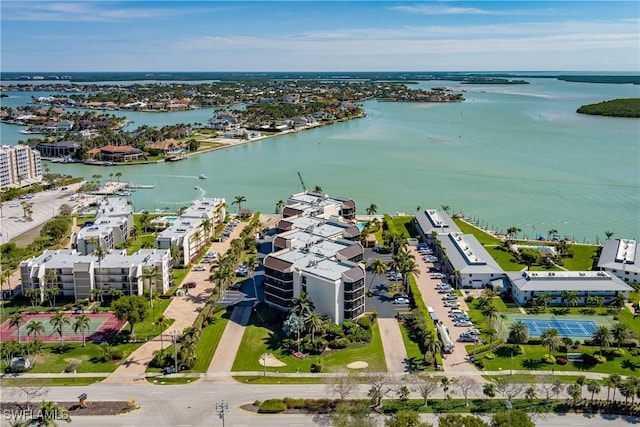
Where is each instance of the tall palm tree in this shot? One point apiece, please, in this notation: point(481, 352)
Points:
point(542, 301)
point(602, 336)
point(206, 227)
point(551, 339)
point(50, 414)
point(431, 342)
point(621, 333)
point(570, 298)
point(377, 267)
point(162, 322)
point(372, 209)
point(518, 333)
point(252, 263)
point(609, 234)
point(35, 328)
point(16, 320)
point(302, 305)
point(512, 232)
point(82, 324)
point(613, 381)
point(445, 208)
point(239, 200)
point(149, 276)
point(313, 322)
point(619, 300)
point(551, 232)
point(59, 321)
point(101, 254)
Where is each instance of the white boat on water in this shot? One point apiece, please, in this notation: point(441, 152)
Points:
point(197, 188)
point(202, 176)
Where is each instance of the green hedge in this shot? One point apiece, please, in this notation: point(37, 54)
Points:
point(272, 406)
point(421, 315)
point(391, 226)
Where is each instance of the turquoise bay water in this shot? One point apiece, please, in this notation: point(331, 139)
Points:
point(509, 155)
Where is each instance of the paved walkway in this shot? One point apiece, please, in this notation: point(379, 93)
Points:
point(183, 310)
point(229, 344)
point(394, 351)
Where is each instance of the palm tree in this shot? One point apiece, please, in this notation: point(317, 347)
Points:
point(101, 254)
point(542, 301)
point(372, 209)
point(50, 413)
point(279, 206)
point(432, 343)
point(445, 208)
point(239, 200)
point(82, 324)
point(602, 336)
point(551, 232)
point(59, 321)
point(609, 234)
point(551, 339)
point(518, 333)
point(16, 320)
point(619, 300)
point(613, 381)
point(118, 175)
point(313, 322)
point(252, 263)
point(377, 267)
point(317, 189)
point(570, 298)
point(162, 322)
point(512, 232)
point(621, 333)
point(302, 305)
point(206, 227)
point(36, 328)
point(595, 301)
point(593, 387)
point(150, 275)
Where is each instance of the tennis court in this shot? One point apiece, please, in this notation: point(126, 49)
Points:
point(101, 325)
point(567, 328)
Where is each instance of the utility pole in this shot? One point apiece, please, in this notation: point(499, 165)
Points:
point(264, 364)
point(220, 410)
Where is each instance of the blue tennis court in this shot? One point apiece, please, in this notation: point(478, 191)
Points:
point(567, 328)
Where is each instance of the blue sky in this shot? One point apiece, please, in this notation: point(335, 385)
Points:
point(319, 36)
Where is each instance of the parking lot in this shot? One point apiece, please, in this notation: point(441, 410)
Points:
point(382, 300)
point(427, 283)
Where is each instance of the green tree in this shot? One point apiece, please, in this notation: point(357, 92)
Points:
point(302, 305)
point(16, 320)
point(35, 328)
point(372, 209)
point(458, 420)
point(406, 418)
point(352, 414)
point(50, 413)
point(518, 333)
point(602, 337)
point(512, 418)
point(82, 324)
point(570, 298)
point(131, 308)
point(377, 267)
point(279, 206)
point(621, 333)
point(239, 200)
point(59, 321)
point(593, 387)
point(551, 339)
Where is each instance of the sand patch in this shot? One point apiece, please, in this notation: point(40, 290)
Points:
point(357, 365)
point(270, 360)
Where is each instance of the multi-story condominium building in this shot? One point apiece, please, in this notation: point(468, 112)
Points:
point(190, 232)
point(462, 256)
point(112, 227)
point(319, 205)
point(317, 253)
point(621, 257)
point(431, 222)
point(526, 286)
point(76, 275)
point(20, 166)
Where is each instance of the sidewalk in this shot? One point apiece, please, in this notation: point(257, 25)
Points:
point(184, 310)
point(394, 351)
point(223, 358)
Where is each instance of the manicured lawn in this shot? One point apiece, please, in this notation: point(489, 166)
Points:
point(279, 380)
point(209, 340)
point(136, 244)
point(476, 406)
point(49, 382)
point(502, 307)
point(483, 238)
point(56, 360)
point(171, 381)
point(535, 379)
point(148, 327)
point(404, 226)
point(582, 259)
point(258, 340)
point(531, 360)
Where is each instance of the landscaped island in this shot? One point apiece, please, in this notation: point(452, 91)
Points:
point(628, 107)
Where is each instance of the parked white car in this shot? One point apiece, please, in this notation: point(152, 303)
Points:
point(463, 323)
point(452, 304)
point(199, 267)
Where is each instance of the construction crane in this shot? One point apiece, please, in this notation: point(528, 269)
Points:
point(304, 187)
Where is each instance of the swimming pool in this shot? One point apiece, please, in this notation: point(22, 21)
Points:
point(361, 225)
point(165, 219)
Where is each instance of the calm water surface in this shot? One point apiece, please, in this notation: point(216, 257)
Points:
point(514, 155)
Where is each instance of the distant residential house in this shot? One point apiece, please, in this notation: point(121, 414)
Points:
point(120, 153)
point(57, 149)
point(168, 146)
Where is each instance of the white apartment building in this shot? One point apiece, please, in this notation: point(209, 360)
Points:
point(527, 285)
point(76, 275)
point(190, 232)
point(308, 203)
point(112, 227)
point(621, 257)
point(20, 166)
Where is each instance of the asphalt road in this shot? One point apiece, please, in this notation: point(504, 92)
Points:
point(193, 405)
